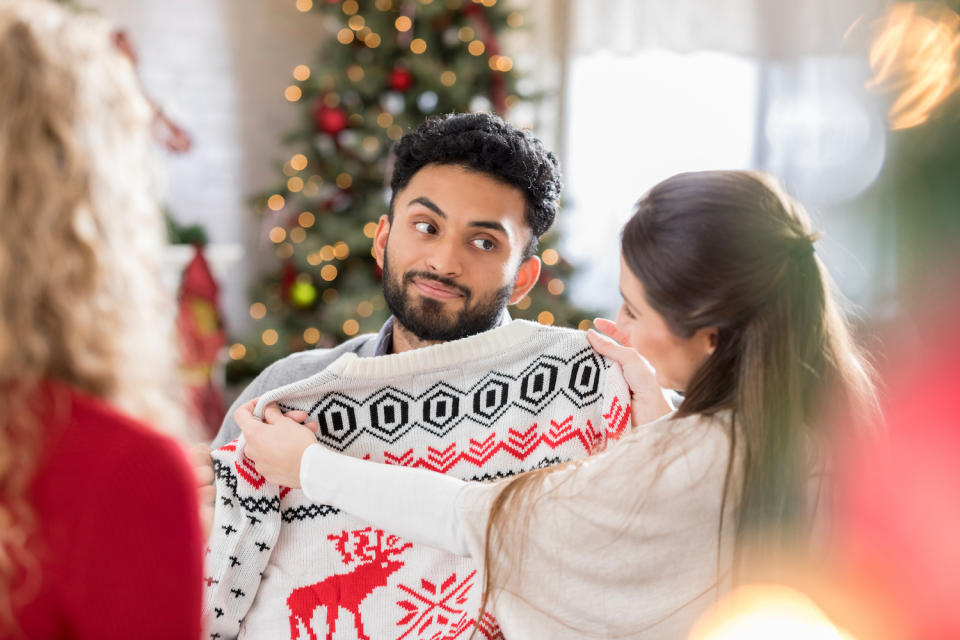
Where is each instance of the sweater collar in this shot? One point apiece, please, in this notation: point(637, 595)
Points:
point(456, 352)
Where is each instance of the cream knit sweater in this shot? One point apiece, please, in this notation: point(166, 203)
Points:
point(621, 545)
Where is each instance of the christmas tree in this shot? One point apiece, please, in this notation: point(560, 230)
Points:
point(385, 67)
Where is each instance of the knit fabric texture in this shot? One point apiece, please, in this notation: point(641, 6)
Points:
point(519, 397)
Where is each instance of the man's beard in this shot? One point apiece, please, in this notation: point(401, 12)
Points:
point(428, 320)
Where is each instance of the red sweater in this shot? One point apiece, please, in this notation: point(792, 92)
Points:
point(119, 537)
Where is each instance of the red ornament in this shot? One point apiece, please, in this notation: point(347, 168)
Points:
point(330, 120)
point(287, 277)
point(400, 79)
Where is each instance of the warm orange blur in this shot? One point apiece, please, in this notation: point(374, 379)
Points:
point(761, 611)
point(913, 56)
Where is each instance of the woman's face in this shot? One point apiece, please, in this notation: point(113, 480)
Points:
point(675, 359)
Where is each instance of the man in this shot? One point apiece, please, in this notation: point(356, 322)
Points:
point(471, 195)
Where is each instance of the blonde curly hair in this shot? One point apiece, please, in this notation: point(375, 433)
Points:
point(81, 302)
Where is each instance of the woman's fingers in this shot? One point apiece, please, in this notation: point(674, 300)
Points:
point(202, 466)
point(610, 329)
point(244, 416)
point(273, 415)
point(610, 349)
point(296, 416)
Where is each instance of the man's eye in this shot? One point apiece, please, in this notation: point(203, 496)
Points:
point(484, 243)
point(425, 227)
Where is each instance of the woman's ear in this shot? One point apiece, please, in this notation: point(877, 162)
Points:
point(708, 337)
point(527, 276)
point(380, 239)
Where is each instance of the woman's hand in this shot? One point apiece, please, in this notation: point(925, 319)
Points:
point(277, 443)
point(206, 490)
point(648, 400)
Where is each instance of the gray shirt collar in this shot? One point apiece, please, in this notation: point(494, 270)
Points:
point(384, 339)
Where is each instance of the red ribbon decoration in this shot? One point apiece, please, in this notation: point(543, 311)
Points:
point(202, 336)
point(167, 132)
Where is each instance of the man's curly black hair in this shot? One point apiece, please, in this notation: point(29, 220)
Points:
point(484, 143)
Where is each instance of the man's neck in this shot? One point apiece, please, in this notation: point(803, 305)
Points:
point(404, 340)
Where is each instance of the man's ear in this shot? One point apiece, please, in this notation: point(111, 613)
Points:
point(527, 276)
point(380, 239)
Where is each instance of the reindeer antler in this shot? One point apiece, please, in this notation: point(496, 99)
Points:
point(392, 549)
point(341, 545)
point(363, 543)
point(365, 549)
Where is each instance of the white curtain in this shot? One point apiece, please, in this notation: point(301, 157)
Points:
point(653, 87)
point(767, 29)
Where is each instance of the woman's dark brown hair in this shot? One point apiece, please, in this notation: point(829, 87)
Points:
point(729, 250)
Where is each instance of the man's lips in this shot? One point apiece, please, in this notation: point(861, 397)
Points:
point(435, 289)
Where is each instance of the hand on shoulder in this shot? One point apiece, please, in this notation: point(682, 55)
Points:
point(648, 400)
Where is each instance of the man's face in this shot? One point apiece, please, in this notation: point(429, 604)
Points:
point(451, 257)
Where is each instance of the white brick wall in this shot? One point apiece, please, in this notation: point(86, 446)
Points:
point(219, 68)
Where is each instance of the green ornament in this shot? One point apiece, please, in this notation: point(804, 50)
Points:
point(303, 294)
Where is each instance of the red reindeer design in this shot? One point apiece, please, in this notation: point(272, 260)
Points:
point(346, 591)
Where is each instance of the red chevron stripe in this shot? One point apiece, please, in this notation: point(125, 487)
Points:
point(617, 419)
point(520, 443)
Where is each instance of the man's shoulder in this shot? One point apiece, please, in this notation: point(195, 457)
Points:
point(562, 332)
point(303, 364)
point(561, 339)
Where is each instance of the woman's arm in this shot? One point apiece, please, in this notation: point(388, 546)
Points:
point(415, 504)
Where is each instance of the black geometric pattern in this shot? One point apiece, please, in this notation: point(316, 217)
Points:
point(308, 512)
point(441, 409)
point(500, 475)
point(224, 472)
point(490, 398)
point(538, 384)
point(390, 413)
point(337, 417)
point(585, 379)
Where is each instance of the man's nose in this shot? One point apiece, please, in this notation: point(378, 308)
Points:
point(445, 259)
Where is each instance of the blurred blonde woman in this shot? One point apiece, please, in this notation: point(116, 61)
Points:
point(725, 297)
point(99, 535)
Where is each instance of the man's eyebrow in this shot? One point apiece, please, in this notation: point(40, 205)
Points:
point(484, 224)
point(495, 226)
point(429, 204)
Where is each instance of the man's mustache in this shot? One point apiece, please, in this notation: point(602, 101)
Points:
point(409, 276)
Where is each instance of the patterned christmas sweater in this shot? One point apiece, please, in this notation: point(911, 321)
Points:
point(515, 398)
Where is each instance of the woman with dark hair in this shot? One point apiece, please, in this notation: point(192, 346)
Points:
point(726, 299)
point(99, 535)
